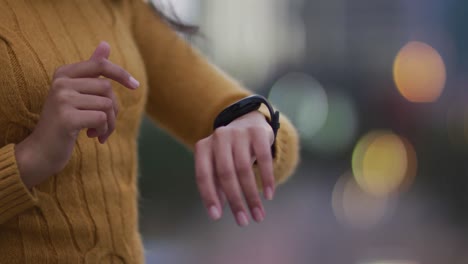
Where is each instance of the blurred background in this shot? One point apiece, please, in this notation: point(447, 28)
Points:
point(377, 90)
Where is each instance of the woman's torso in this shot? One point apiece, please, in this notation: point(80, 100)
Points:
point(88, 212)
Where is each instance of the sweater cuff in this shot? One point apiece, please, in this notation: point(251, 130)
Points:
point(14, 195)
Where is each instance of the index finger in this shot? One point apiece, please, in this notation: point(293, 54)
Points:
point(93, 68)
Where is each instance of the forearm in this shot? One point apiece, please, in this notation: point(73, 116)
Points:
point(186, 92)
point(32, 169)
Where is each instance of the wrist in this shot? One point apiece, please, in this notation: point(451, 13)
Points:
point(29, 167)
point(244, 107)
point(256, 118)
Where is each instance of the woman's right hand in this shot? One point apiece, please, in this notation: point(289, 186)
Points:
point(78, 99)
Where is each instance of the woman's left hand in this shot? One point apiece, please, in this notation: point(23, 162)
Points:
point(223, 165)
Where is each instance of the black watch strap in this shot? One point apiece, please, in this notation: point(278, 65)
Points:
point(245, 106)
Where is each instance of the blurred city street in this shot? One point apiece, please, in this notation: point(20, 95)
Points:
point(377, 91)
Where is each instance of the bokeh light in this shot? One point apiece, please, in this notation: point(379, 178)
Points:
point(301, 98)
point(340, 128)
point(384, 163)
point(244, 47)
point(326, 121)
point(419, 72)
point(355, 208)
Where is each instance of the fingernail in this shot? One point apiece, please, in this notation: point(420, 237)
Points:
point(135, 84)
point(214, 213)
point(242, 219)
point(102, 140)
point(269, 193)
point(257, 214)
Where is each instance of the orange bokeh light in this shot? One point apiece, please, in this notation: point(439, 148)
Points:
point(419, 72)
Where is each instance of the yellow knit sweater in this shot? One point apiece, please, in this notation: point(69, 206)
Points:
point(88, 212)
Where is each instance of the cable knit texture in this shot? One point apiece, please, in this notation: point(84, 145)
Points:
point(88, 212)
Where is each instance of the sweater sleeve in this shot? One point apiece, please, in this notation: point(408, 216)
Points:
point(186, 92)
point(14, 196)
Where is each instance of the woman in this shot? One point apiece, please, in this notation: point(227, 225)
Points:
point(68, 161)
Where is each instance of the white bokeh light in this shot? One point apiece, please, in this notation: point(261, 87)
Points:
point(250, 47)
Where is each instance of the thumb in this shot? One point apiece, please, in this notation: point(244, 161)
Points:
point(102, 51)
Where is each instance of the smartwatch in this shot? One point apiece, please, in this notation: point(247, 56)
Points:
point(245, 106)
